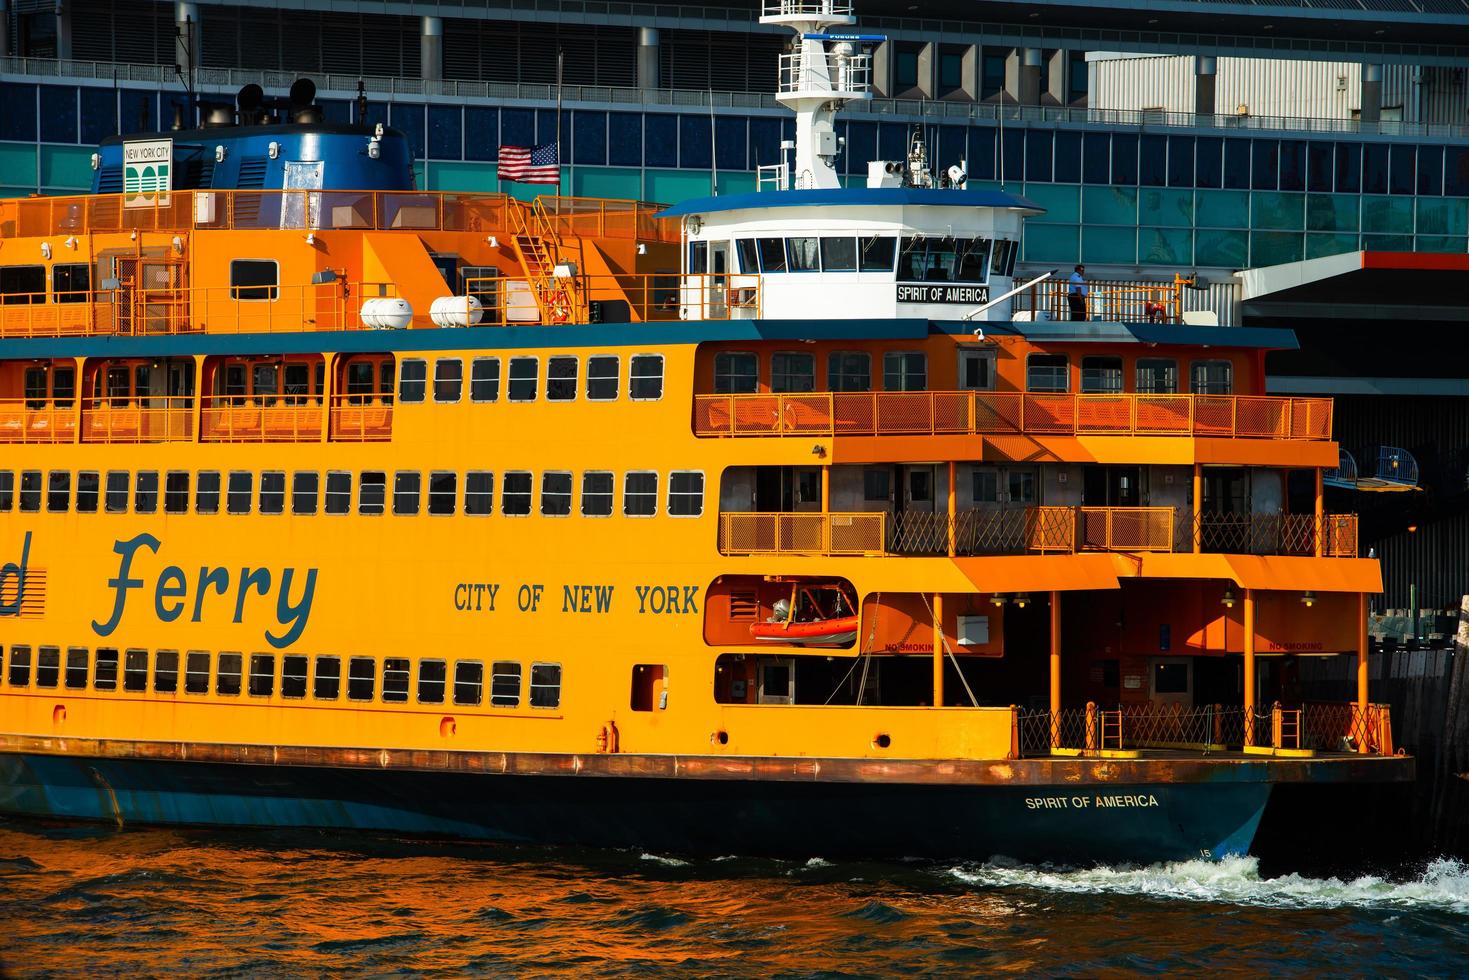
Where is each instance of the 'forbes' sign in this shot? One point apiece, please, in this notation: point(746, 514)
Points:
point(942, 292)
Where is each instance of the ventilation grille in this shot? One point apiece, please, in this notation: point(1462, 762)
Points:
point(744, 607)
point(252, 173)
point(109, 180)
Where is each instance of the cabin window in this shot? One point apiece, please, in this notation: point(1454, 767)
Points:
point(792, 372)
point(206, 492)
point(135, 670)
point(469, 678)
point(254, 279)
point(1047, 372)
point(20, 667)
point(7, 490)
point(145, 492)
point(749, 255)
point(555, 494)
point(361, 678)
point(327, 685)
point(361, 382)
point(35, 387)
point(515, 498)
point(372, 493)
point(645, 377)
point(905, 370)
point(297, 385)
point(265, 380)
point(30, 491)
point(920, 486)
point(104, 676)
point(234, 383)
point(241, 489)
point(63, 386)
point(736, 373)
point(977, 369)
point(772, 254)
point(524, 374)
point(431, 677)
point(407, 492)
point(443, 491)
point(338, 492)
point(1101, 375)
point(293, 676)
point(88, 487)
point(305, 485)
point(685, 493)
point(273, 492)
point(71, 282)
point(176, 492)
point(545, 685)
point(602, 377)
point(876, 253)
point(165, 672)
point(412, 379)
point(640, 494)
point(117, 492)
point(77, 662)
point(561, 379)
point(119, 386)
point(505, 684)
point(479, 493)
point(849, 370)
point(803, 255)
point(1005, 254)
point(876, 485)
point(395, 680)
point(22, 285)
point(839, 255)
point(58, 491)
point(196, 672)
point(48, 666)
point(484, 379)
point(986, 486)
point(1022, 487)
point(596, 494)
point(227, 674)
point(448, 379)
point(1157, 376)
point(1212, 377)
point(698, 258)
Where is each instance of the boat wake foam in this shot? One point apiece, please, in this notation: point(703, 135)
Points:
point(1443, 884)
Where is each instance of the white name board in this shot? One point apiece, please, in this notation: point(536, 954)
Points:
point(147, 173)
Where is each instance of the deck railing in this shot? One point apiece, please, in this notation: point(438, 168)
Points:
point(148, 419)
point(1008, 413)
point(353, 418)
point(236, 419)
point(23, 421)
point(361, 418)
point(801, 533)
point(631, 298)
point(1118, 300)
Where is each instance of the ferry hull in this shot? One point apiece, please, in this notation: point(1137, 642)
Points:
point(1099, 823)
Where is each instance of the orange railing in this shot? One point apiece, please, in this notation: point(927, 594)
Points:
point(1127, 301)
point(37, 421)
point(137, 419)
point(236, 419)
point(1002, 413)
point(801, 533)
point(631, 298)
point(361, 418)
point(1126, 528)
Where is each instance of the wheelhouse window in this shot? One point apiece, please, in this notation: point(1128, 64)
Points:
point(685, 493)
point(479, 493)
point(1157, 376)
point(545, 685)
point(905, 370)
point(432, 675)
point(515, 497)
point(875, 254)
point(254, 279)
point(944, 260)
point(1212, 377)
point(372, 493)
point(412, 379)
point(645, 377)
point(1003, 264)
point(1047, 372)
point(736, 373)
point(484, 379)
point(443, 492)
point(1101, 375)
point(803, 255)
point(849, 370)
point(839, 254)
point(772, 254)
point(407, 490)
point(448, 379)
point(561, 379)
point(602, 377)
point(640, 494)
point(748, 254)
point(792, 372)
point(505, 684)
point(524, 376)
point(555, 494)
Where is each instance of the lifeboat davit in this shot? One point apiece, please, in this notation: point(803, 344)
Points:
point(821, 632)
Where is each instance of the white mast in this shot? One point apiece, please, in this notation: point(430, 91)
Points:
point(820, 73)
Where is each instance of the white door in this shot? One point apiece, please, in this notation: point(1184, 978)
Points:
point(777, 682)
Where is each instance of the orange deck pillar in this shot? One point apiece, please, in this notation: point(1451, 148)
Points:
point(1055, 669)
point(1320, 514)
point(938, 650)
point(953, 531)
point(1249, 667)
point(1361, 712)
point(1197, 533)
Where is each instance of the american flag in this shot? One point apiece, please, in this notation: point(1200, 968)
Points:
point(530, 164)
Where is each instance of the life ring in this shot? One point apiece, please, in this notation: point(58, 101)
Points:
point(559, 306)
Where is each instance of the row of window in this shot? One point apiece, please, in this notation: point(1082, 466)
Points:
point(921, 259)
point(603, 378)
point(518, 495)
point(25, 284)
point(390, 681)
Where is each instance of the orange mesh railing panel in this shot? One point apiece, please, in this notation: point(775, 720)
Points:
point(1164, 414)
point(1048, 413)
point(801, 534)
point(27, 422)
point(144, 420)
point(1127, 528)
point(360, 418)
point(230, 419)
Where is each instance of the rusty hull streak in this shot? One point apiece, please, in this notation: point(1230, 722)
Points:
point(1176, 768)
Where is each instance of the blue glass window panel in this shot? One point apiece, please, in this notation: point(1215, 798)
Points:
point(99, 114)
point(333, 110)
point(1292, 165)
point(408, 117)
point(1124, 159)
point(660, 141)
point(861, 145)
point(892, 141)
point(1153, 161)
point(1265, 176)
point(625, 139)
point(1068, 158)
point(1037, 154)
point(1237, 164)
point(765, 142)
point(694, 141)
point(982, 153)
point(588, 137)
point(1012, 156)
point(1319, 167)
point(377, 112)
point(1096, 158)
point(1430, 170)
point(1456, 171)
point(481, 133)
point(58, 114)
point(1180, 161)
point(139, 111)
point(952, 147)
point(445, 132)
point(1348, 168)
point(546, 131)
point(1209, 162)
point(788, 132)
point(17, 112)
point(729, 143)
point(517, 127)
point(1402, 174)
point(1374, 168)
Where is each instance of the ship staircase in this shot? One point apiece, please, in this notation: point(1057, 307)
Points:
point(541, 249)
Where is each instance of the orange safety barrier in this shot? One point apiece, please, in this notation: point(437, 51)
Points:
point(800, 533)
point(147, 419)
point(24, 421)
point(1127, 528)
point(631, 298)
point(239, 419)
point(361, 418)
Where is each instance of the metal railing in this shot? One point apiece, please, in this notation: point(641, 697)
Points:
point(806, 8)
point(23, 421)
point(147, 419)
point(802, 533)
point(1277, 534)
point(361, 418)
point(1128, 302)
point(227, 418)
point(222, 418)
point(838, 74)
point(1011, 413)
point(630, 298)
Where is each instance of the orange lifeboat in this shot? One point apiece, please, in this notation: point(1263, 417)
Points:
point(814, 615)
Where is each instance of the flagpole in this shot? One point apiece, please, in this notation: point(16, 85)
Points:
point(559, 59)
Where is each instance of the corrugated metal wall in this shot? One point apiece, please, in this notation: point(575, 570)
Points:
point(1142, 83)
point(1436, 96)
point(1223, 297)
point(1266, 87)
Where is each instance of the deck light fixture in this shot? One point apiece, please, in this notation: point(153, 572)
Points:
point(46, 250)
point(1308, 598)
point(997, 600)
point(1229, 598)
point(1022, 599)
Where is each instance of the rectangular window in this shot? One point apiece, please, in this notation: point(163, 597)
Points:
point(1101, 375)
point(849, 370)
point(876, 485)
point(166, 672)
point(305, 484)
point(395, 680)
point(71, 282)
point(561, 379)
point(685, 493)
point(206, 492)
point(736, 373)
point(555, 494)
point(262, 675)
point(596, 494)
point(431, 677)
point(876, 254)
point(254, 279)
point(117, 492)
point(602, 376)
point(77, 661)
point(748, 256)
point(241, 489)
point(515, 497)
point(479, 493)
point(412, 380)
point(545, 685)
point(1212, 377)
point(327, 685)
point(20, 667)
point(484, 379)
point(448, 379)
point(30, 491)
point(58, 491)
point(905, 370)
point(273, 492)
point(22, 284)
point(293, 676)
point(135, 670)
point(443, 491)
point(1022, 487)
point(524, 376)
point(986, 486)
point(7, 490)
point(803, 255)
point(338, 492)
point(372, 493)
point(645, 377)
point(772, 254)
point(145, 496)
point(89, 486)
point(196, 672)
point(640, 494)
point(227, 675)
point(505, 684)
point(1157, 376)
point(361, 678)
point(407, 491)
point(469, 677)
point(1047, 372)
point(176, 492)
point(839, 254)
point(48, 666)
point(792, 372)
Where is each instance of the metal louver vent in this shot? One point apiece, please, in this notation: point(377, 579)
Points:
point(252, 173)
point(109, 180)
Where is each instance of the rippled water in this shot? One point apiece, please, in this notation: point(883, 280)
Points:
point(85, 900)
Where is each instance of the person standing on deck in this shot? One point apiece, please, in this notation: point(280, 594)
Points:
point(1078, 293)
